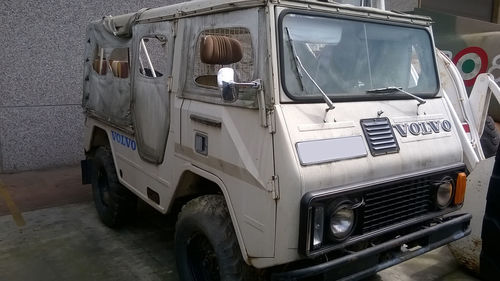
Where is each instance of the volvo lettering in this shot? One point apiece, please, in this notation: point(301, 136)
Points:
point(423, 128)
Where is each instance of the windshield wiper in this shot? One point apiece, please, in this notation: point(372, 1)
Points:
point(298, 64)
point(295, 56)
point(393, 89)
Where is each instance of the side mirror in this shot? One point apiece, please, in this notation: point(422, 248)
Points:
point(227, 86)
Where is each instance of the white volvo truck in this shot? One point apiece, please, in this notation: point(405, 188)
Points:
point(295, 139)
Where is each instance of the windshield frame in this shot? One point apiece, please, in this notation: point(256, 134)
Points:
point(360, 96)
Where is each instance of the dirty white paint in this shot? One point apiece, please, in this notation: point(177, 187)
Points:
point(468, 249)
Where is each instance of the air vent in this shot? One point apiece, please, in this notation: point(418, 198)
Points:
point(379, 136)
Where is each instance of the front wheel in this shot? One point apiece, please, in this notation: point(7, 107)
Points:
point(206, 247)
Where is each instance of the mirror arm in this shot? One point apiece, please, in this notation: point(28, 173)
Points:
point(256, 84)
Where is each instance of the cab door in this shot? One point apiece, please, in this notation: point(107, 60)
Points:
point(152, 57)
point(227, 139)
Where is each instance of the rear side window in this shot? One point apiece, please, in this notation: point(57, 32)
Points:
point(119, 62)
point(206, 74)
point(115, 60)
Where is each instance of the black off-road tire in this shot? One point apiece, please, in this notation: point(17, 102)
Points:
point(490, 138)
point(114, 203)
point(490, 252)
point(206, 247)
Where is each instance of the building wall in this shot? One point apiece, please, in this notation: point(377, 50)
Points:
point(41, 71)
point(401, 5)
point(477, 9)
point(41, 68)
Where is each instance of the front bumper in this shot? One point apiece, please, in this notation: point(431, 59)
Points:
point(357, 265)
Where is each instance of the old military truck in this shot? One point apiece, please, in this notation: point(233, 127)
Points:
point(301, 138)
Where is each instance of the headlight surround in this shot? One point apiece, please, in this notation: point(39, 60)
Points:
point(342, 220)
point(444, 192)
point(318, 226)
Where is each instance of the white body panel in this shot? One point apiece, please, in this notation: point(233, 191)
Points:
point(303, 122)
point(416, 152)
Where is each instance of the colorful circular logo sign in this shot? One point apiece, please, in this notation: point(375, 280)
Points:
point(471, 62)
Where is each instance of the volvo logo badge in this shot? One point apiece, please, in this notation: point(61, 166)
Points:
point(423, 128)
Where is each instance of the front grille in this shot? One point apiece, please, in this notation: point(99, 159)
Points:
point(380, 136)
point(396, 203)
point(389, 208)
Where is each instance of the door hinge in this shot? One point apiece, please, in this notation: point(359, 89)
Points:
point(271, 121)
point(169, 84)
point(273, 186)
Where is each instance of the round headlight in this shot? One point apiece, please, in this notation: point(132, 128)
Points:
point(342, 222)
point(444, 193)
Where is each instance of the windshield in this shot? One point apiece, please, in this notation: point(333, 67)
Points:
point(347, 58)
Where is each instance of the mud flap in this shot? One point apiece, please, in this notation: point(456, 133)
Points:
point(86, 167)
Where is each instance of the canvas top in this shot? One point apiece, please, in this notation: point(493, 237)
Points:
point(120, 25)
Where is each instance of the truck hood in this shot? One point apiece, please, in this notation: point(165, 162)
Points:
point(337, 152)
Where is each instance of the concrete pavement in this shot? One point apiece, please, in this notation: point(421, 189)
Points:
point(63, 239)
point(69, 243)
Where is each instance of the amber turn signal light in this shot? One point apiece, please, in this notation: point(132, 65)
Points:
point(460, 189)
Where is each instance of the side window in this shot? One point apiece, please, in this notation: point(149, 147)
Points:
point(206, 74)
point(99, 63)
point(119, 62)
point(152, 56)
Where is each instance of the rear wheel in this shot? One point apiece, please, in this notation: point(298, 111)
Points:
point(490, 138)
point(206, 247)
point(114, 203)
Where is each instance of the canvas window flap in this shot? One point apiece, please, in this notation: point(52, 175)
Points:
point(106, 94)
